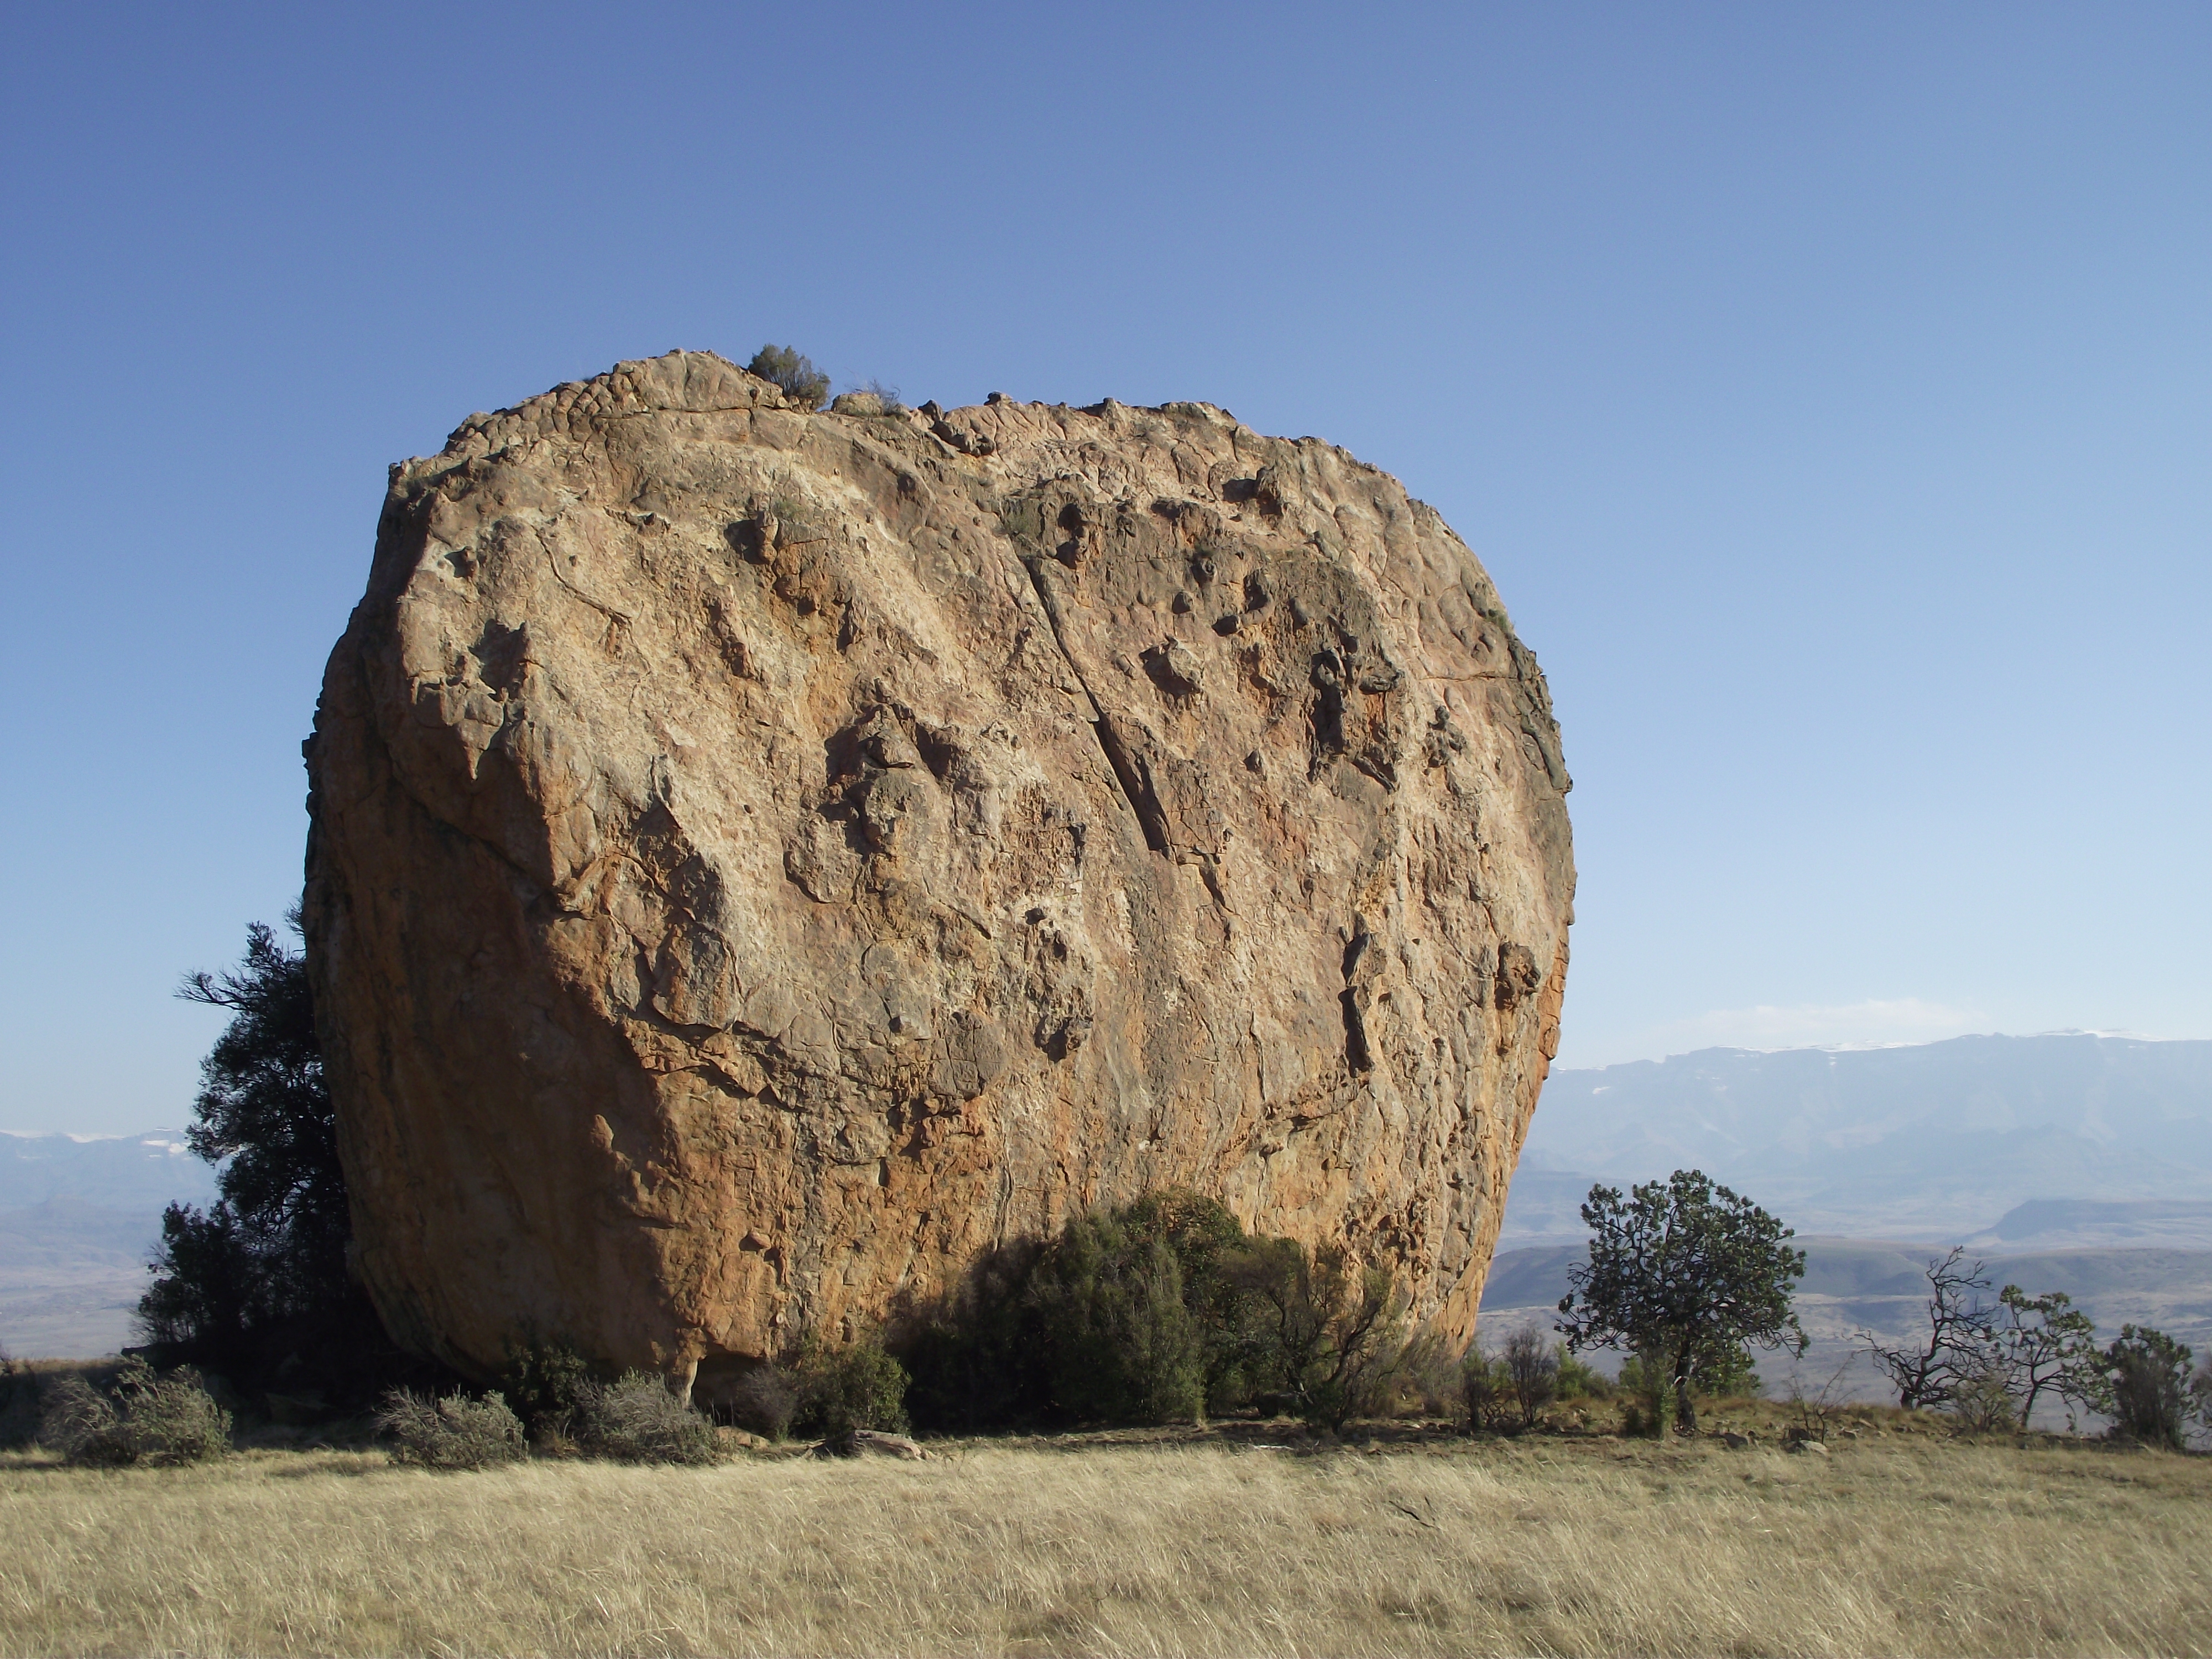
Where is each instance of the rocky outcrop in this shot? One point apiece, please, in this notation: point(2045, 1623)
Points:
point(760, 858)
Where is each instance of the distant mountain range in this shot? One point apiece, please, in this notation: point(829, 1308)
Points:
point(1974, 1138)
point(2073, 1162)
point(79, 1216)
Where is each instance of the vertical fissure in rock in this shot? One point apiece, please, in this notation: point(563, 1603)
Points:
point(1136, 781)
point(1356, 1054)
point(1130, 773)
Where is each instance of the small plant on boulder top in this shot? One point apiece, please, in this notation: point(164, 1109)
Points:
point(794, 375)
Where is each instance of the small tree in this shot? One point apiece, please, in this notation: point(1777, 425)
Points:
point(1649, 1394)
point(2145, 1387)
point(1334, 1328)
point(1487, 1390)
point(2043, 1344)
point(1531, 1372)
point(273, 1245)
point(1961, 1329)
point(1580, 1379)
point(800, 380)
point(1123, 1346)
point(1682, 1271)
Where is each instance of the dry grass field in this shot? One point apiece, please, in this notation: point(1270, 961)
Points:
point(1888, 1545)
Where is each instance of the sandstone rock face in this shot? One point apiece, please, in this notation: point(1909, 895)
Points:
point(759, 858)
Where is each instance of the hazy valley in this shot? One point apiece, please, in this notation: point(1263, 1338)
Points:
point(2072, 1162)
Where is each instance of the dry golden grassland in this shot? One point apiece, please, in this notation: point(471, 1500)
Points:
point(1888, 1545)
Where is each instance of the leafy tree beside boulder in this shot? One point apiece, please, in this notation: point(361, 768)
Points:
point(256, 1286)
point(273, 1245)
point(1123, 1346)
point(1684, 1274)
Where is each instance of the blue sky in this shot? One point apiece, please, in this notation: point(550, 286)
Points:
point(1827, 388)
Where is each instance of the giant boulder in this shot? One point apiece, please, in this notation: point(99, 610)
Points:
point(761, 858)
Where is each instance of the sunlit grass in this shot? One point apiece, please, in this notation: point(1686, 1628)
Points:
point(1553, 1546)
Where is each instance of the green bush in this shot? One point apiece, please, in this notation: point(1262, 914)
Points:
point(1125, 1316)
point(544, 1384)
point(975, 1353)
point(1649, 1392)
point(141, 1418)
point(1643, 1421)
point(837, 1390)
point(1151, 1312)
point(451, 1432)
point(2147, 1392)
point(1579, 1380)
point(823, 1393)
point(635, 1419)
point(1237, 1348)
point(800, 381)
point(1123, 1347)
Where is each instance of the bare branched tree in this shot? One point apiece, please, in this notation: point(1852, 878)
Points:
point(1961, 1326)
point(1532, 1369)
